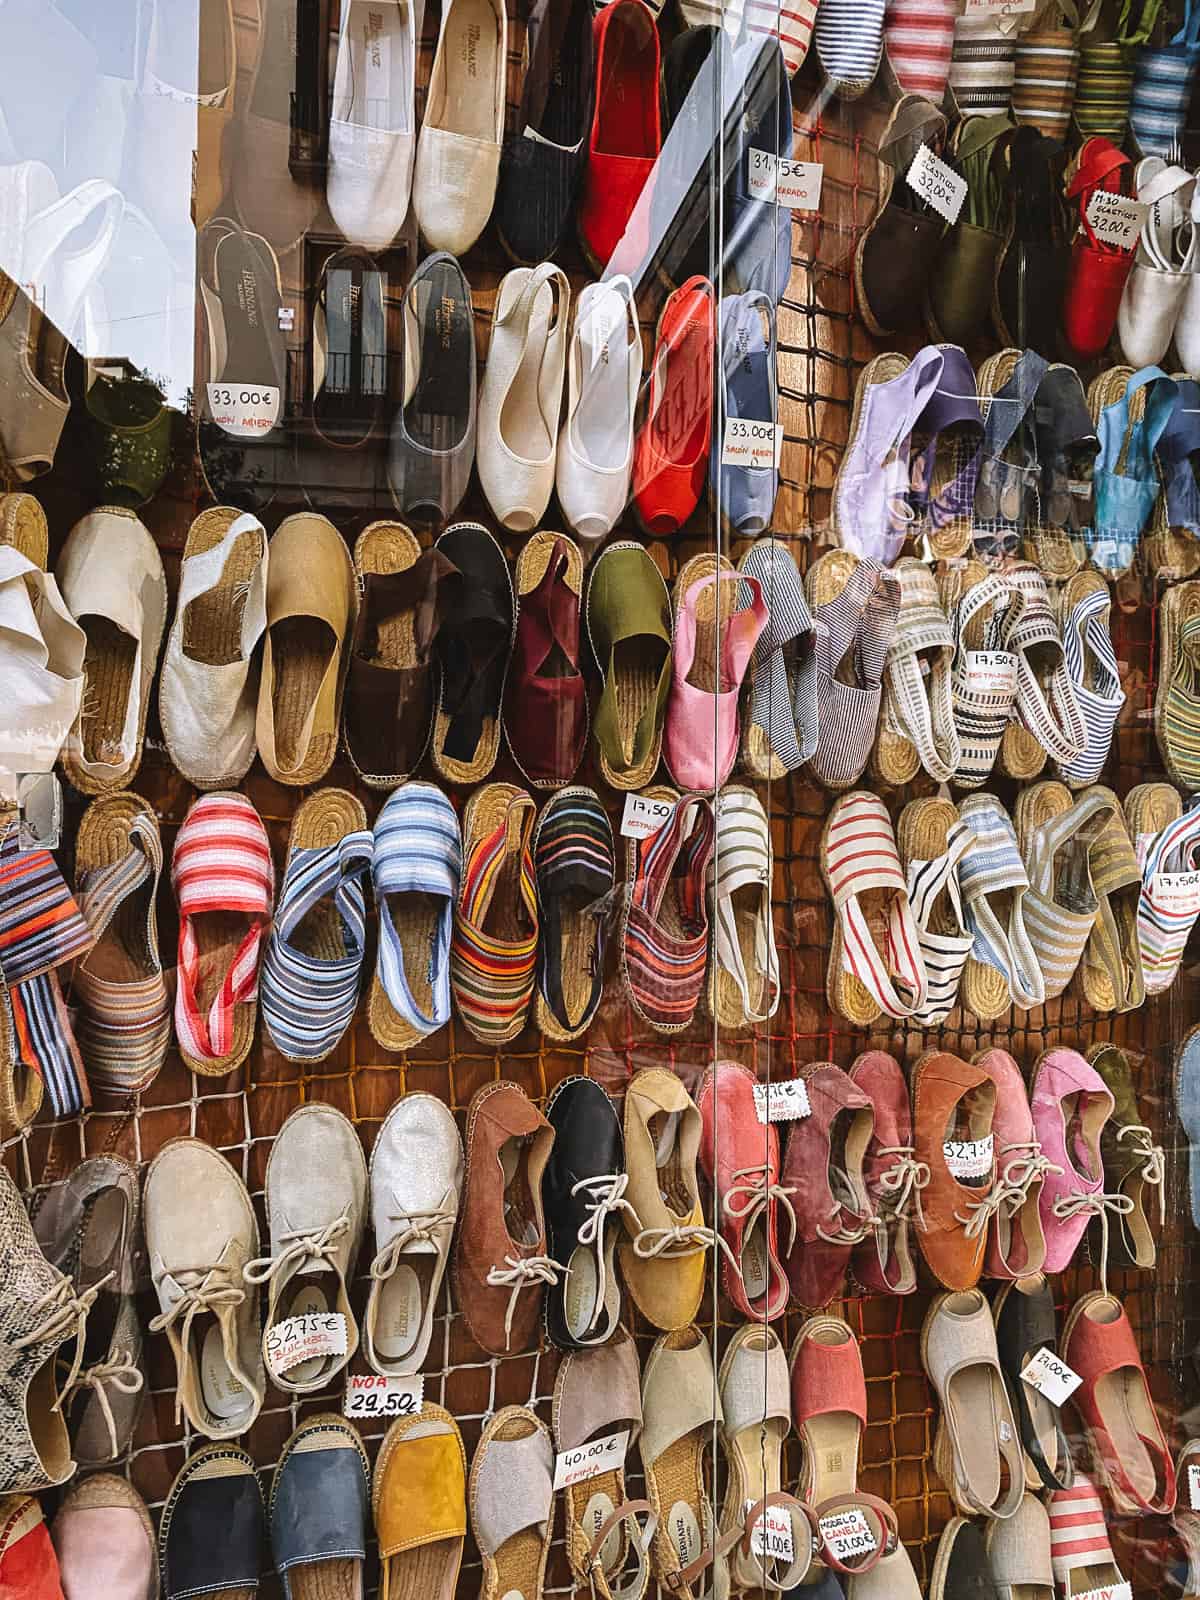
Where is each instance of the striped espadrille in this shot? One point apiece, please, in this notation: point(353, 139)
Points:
point(743, 979)
point(574, 867)
point(1002, 968)
point(918, 36)
point(1167, 840)
point(1162, 87)
point(982, 67)
point(1046, 69)
point(1080, 1553)
point(493, 954)
point(1103, 89)
point(1085, 606)
point(1053, 830)
point(1177, 702)
point(932, 844)
point(664, 933)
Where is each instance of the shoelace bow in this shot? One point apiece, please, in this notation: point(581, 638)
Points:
point(1154, 1159)
point(982, 1212)
point(200, 1295)
point(750, 1194)
point(301, 1247)
point(604, 1197)
point(416, 1227)
point(900, 1188)
point(66, 1316)
point(1099, 1205)
point(681, 1239)
point(843, 1235)
point(519, 1273)
point(1025, 1166)
point(120, 1373)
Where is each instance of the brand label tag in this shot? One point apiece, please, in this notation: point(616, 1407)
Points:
point(310, 1337)
point(751, 444)
point(991, 672)
point(969, 1158)
point(771, 1534)
point(846, 1534)
point(1116, 219)
point(782, 1102)
point(591, 1459)
point(1051, 1377)
point(247, 412)
point(370, 1395)
point(937, 184)
point(642, 817)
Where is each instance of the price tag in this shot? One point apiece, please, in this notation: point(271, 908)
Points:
point(969, 1158)
point(991, 8)
point(991, 672)
point(287, 318)
point(782, 1102)
point(247, 412)
point(642, 817)
point(771, 1534)
point(1176, 892)
point(1116, 219)
point(1193, 1477)
point(369, 1395)
point(1052, 1378)
point(751, 444)
point(937, 184)
point(310, 1337)
point(782, 181)
point(1107, 1591)
point(591, 1459)
point(846, 1534)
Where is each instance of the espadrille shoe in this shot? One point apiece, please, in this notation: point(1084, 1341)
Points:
point(105, 1542)
point(493, 953)
point(216, 1492)
point(1132, 411)
point(916, 726)
point(209, 683)
point(39, 1313)
point(196, 1256)
point(311, 604)
point(28, 1566)
point(1177, 701)
point(111, 577)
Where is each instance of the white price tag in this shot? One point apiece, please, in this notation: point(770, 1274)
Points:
point(771, 1534)
point(1193, 1477)
point(1176, 892)
point(1107, 1591)
point(991, 8)
point(311, 1337)
point(782, 1102)
point(969, 1158)
point(846, 1534)
point(779, 179)
point(369, 1395)
point(990, 672)
point(642, 817)
point(287, 318)
point(246, 411)
point(591, 1459)
point(751, 444)
point(1052, 1378)
point(1116, 219)
point(937, 184)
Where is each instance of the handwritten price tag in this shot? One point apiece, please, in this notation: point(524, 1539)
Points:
point(782, 181)
point(1177, 892)
point(1193, 1477)
point(846, 1534)
point(990, 672)
point(247, 412)
point(937, 184)
point(771, 1534)
point(311, 1337)
point(642, 816)
point(1052, 1378)
point(991, 8)
point(1116, 219)
point(782, 1102)
point(751, 444)
point(368, 1396)
point(969, 1158)
point(1107, 1591)
point(591, 1459)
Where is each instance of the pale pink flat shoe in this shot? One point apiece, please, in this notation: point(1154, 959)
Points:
point(719, 614)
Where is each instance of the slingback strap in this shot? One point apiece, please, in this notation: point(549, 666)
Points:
point(1099, 168)
point(800, 1565)
point(887, 1531)
point(634, 1583)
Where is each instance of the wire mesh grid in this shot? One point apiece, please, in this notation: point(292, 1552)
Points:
point(821, 349)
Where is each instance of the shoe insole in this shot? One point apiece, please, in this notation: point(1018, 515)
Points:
point(321, 933)
point(470, 50)
point(680, 425)
point(714, 606)
point(627, 116)
point(221, 1392)
point(756, 1274)
point(637, 664)
point(663, 1129)
point(971, 1400)
point(400, 1306)
point(581, 1291)
point(589, 1505)
point(301, 648)
point(122, 953)
point(603, 421)
point(219, 935)
point(417, 918)
point(439, 353)
point(108, 670)
point(1121, 1401)
point(518, 1201)
point(212, 622)
point(749, 371)
point(378, 67)
point(561, 118)
point(307, 1297)
point(524, 427)
point(577, 960)
point(248, 290)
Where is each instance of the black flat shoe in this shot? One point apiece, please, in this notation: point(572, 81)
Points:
point(961, 1569)
point(581, 1192)
point(1024, 1316)
point(542, 162)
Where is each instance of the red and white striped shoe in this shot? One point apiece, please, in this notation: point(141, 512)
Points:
point(918, 36)
point(1080, 1553)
